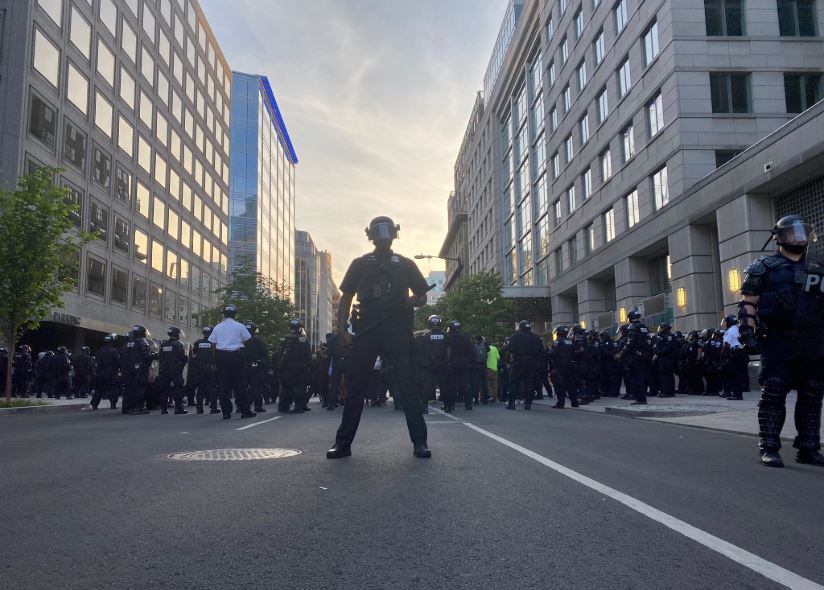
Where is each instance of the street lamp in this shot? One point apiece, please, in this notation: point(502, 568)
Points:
point(431, 256)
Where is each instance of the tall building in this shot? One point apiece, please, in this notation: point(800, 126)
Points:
point(437, 278)
point(315, 290)
point(327, 292)
point(606, 120)
point(262, 183)
point(132, 100)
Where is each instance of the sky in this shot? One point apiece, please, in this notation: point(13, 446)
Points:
point(376, 95)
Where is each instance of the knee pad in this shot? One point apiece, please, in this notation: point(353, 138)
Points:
point(774, 387)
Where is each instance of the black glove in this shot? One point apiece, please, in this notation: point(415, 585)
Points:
point(746, 336)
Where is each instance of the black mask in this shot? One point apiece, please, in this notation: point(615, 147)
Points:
point(794, 248)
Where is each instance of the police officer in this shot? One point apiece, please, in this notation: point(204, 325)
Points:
point(459, 367)
point(228, 340)
point(323, 360)
point(431, 360)
point(4, 366)
point(257, 364)
point(634, 356)
point(735, 360)
point(562, 370)
point(172, 358)
point(382, 281)
point(21, 368)
point(341, 362)
point(782, 292)
point(527, 352)
point(294, 356)
point(84, 371)
point(60, 367)
point(42, 384)
point(665, 357)
point(138, 360)
point(107, 362)
point(201, 375)
point(610, 367)
point(711, 357)
point(477, 374)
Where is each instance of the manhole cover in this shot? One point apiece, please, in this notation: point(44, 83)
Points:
point(234, 454)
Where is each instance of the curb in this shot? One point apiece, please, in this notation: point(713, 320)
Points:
point(43, 409)
point(656, 413)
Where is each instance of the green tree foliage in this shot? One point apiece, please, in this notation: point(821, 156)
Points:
point(478, 303)
point(258, 299)
point(38, 254)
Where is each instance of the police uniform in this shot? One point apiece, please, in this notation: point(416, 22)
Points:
point(172, 358)
point(339, 372)
point(635, 355)
point(382, 281)
point(229, 337)
point(294, 358)
point(666, 359)
point(138, 361)
point(201, 375)
point(431, 357)
point(21, 368)
point(562, 370)
point(734, 371)
point(527, 352)
point(459, 368)
point(108, 363)
point(257, 364)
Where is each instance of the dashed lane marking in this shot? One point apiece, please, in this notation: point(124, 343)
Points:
point(253, 424)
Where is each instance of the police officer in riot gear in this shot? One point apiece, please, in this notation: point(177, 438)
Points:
point(138, 360)
point(460, 361)
point(201, 377)
point(382, 281)
point(257, 366)
point(172, 358)
point(783, 299)
point(665, 358)
point(735, 360)
point(21, 369)
point(108, 362)
point(562, 369)
point(60, 368)
point(634, 356)
point(527, 357)
point(84, 370)
point(294, 356)
point(431, 359)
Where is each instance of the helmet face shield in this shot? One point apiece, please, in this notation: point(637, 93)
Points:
point(797, 233)
point(383, 230)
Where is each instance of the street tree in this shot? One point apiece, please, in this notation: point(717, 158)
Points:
point(478, 303)
point(38, 254)
point(259, 299)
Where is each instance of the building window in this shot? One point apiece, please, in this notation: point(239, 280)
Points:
point(553, 119)
point(633, 210)
point(559, 261)
point(660, 188)
point(609, 224)
point(46, 58)
point(603, 106)
point(624, 78)
point(567, 99)
point(159, 213)
point(127, 87)
point(583, 126)
point(171, 265)
point(128, 41)
point(556, 165)
point(569, 149)
point(121, 234)
point(54, 9)
point(564, 50)
point(42, 121)
point(570, 197)
point(579, 23)
point(99, 221)
point(557, 212)
point(550, 30)
point(582, 76)
point(105, 62)
point(77, 89)
point(141, 246)
point(103, 114)
point(120, 285)
point(551, 70)
point(147, 66)
point(725, 18)
point(170, 307)
point(155, 300)
point(589, 238)
point(108, 15)
point(605, 160)
point(144, 154)
point(563, 6)
point(724, 156)
point(796, 18)
point(628, 143)
point(101, 167)
point(600, 47)
point(157, 256)
point(75, 147)
point(655, 115)
point(95, 276)
point(586, 183)
point(801, 91)
point(125, 136)
point(81, 33)
point(730, 93)
point(74, 197)
point(621, 17)
point(142, 199)
point(138, 293)
point(650, 40)
point(572, 247)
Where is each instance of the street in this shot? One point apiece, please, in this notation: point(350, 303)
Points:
point(507, 501)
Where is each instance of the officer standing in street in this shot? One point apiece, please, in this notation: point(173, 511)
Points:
point(431, 359)
point(172, 358)
point(634, 355)
point(201, 377)
point(665, 358)
point(84, 371)
point(783, 298)
point(228, 340)
point(382, 281)
point(477, 376)
point(527, 357)
point(138, 360)
point(460, 360)
point(108, 363)
point(339, 371)
point(4, 366)
point(294, 356)
point(257, 366)
point(735, 360)
point(562, 369)
point(60, 367)
point(21, 368)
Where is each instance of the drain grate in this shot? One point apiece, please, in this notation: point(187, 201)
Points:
point(234, 454)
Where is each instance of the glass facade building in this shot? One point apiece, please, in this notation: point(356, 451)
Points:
point(131, 99)
point(262, 183)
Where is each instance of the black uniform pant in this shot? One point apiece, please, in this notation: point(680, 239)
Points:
point(460, 387)
point(523, 377)
point(430, 381)
point(18, 383)
point(635, 373)
point(544, 375)
point(337, 385)
point(231, 379)
point(104, 388)
point(666, 376)
point(256, 377)
point(294, 383)
point(735, 373)
point(394, 344)
point(563, 377)
point(134, 393)
point(477, 383)
point(169, 386)
point(202, 381)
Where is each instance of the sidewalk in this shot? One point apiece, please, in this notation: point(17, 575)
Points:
point(53, 405)
point(713, 413)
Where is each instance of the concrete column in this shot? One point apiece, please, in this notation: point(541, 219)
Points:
point(693, 278)
point(744, 225)
point(590, 301)
point(631, 284)
point(562, 310)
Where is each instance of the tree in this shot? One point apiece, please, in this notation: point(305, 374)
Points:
point(38, 254)
point(478, 303)
point(258, 299)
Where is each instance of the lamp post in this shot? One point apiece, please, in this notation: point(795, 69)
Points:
point(431, 256)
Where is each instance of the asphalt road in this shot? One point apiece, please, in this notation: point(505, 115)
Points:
point(91, 500)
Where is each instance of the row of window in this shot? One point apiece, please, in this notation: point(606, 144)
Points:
point(796, 18)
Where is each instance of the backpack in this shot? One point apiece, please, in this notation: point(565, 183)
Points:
point(479, 353)
point(437, 349)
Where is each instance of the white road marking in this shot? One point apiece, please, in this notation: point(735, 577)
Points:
point(253, 424)
point(768, 569)
point(442, 413)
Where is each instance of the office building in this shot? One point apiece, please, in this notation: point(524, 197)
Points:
point(131, 99)
point(437, 278)
point(608, 121)
point(316, 294)
point(262, 184)
point(328, 297)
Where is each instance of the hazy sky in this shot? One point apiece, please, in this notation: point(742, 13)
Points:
point(376, 95)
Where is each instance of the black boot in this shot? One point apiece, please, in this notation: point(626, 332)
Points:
point(421, 451)
point(180, 410)
point(810, 457)
point(338, 451)
point(200, 410)
point(771, 459)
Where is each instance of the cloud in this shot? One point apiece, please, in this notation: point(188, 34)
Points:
point(376, 95)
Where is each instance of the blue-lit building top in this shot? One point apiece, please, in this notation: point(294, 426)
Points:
point(262, 183)
point(513, 13)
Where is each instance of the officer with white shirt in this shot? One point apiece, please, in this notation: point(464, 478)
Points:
point(735, 358)
point(228, 340)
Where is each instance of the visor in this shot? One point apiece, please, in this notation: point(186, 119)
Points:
point(383, 230)
point(797, 233)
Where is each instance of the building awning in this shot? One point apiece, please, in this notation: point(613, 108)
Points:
point(526, 292)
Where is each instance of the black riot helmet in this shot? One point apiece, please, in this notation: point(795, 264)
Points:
point(730, 321)
point(62, 350)
point(678, 335)
point(85, 350)
point(295, 325)
point(706, 333)
point(434, 321)
point(109, 338)
point(692, 336)
point(525, 326)
point(229, 310)
point(207, 331)
point(139, 331)
point(382, 228)
point(793, 233)
point(633, 316)
point(622, 329)
point(561, 331)
point(174, 332)
point(605, 335)
point(454, 327)
point(252, 327)
point(664, 328)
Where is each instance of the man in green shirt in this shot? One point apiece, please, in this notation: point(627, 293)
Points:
point(492, 359)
